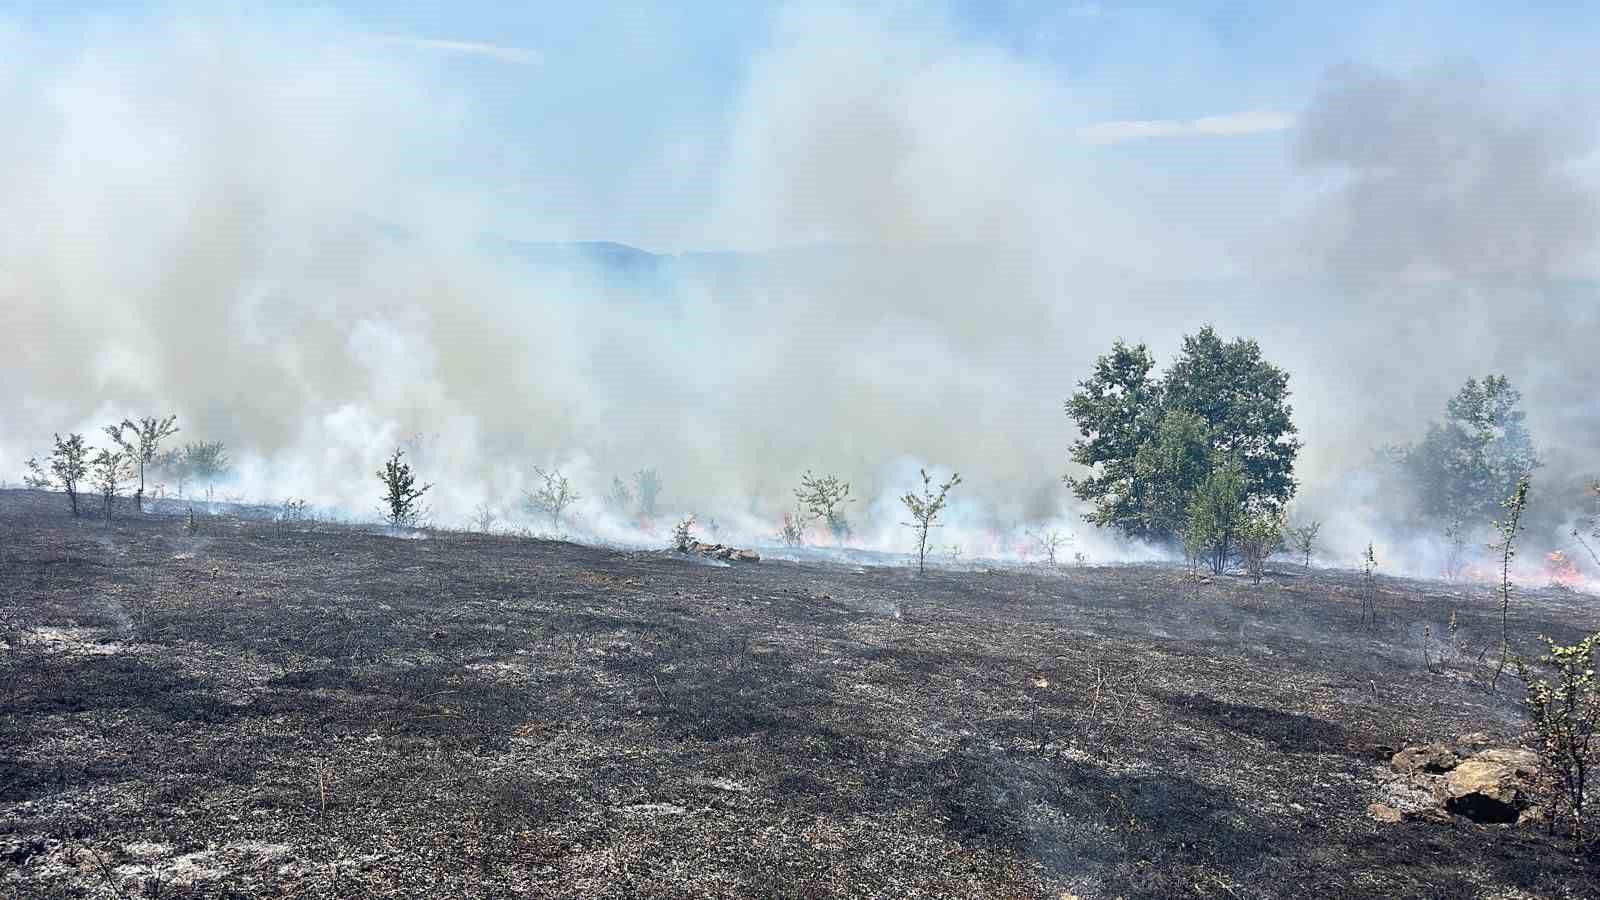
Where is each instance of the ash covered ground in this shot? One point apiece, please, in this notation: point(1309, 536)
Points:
point(265, 709)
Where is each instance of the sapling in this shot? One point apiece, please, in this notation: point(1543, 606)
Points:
point(69, 463)
point(36, 478)
point(1303, 538)
point(484, 517)
point(647, 488)
point(1260, 536)
point(1508, 526)
point(402, 499)
point(1369, 587)
point(793, 529)
point(1049, 543)
point(140, 443)
point(825, 497)
point(925, 510)
point(1455, 539)
point(553, 494)
point(1565, 718)
point(110, 469)
point(620, 499)
point(683, 534)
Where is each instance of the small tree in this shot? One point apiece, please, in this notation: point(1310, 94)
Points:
point(925, 512)
point(683, 534)
point(401, 497)
point(620, 499)
point(1508, 526)
point(1455, 540)
point(1259, 538)
point(69, 464)
point(1216, 514)
point(206, 462)
point(141, 442)
point(1565, 717)
point(553, 494)
point(647, 487)
point(484, 517)
point(1048, 544)
point(825, 498)
point(36, 478)
point(110, 469)
point(1303, 538)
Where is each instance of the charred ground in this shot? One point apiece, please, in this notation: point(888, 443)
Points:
point(269, 709)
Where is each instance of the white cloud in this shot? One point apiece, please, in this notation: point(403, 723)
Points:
point(1255, 122)
point(517, 55)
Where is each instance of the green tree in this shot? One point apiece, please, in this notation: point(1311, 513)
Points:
point(206, 462)
point(1216, 515)
point(1149, 444)
point(1465, 465)
point(402, 499)
point(141, 443)
point(826, 497)
point(69, 464)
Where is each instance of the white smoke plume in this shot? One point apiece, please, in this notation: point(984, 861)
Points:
point(279, 235)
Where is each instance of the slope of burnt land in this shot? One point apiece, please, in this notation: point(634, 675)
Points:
point(262, 709)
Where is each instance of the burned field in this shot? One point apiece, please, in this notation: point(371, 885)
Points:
point(269, 709)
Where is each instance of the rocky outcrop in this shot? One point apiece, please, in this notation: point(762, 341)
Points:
point(724, 552)
point(1464, 777)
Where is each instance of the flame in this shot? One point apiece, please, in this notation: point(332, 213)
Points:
point(1562, 570)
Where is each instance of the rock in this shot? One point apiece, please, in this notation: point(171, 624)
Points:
point(1383, 812)
point(1492, 786)
point(746, 556)
point(1433, 759)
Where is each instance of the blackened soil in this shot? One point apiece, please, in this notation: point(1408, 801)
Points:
point(269, 710)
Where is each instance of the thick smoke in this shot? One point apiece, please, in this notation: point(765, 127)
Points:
point(279, 238)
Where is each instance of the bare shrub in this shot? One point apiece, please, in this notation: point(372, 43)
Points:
point(620, 498)
point(925, 510)
point(1048, 544)
point(793, 529)
point(484, 517)
point(1508, 526)
point(1369, 588)
point(402, 499)
point(1455, 541)
point(553, 495)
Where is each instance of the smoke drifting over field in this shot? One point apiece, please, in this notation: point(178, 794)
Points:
point(280, 237)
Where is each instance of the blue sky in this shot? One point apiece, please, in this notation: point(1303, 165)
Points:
point(563, 110)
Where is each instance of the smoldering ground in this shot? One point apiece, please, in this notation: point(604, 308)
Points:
point(279, 234)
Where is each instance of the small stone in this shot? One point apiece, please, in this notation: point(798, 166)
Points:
point(1383, 812)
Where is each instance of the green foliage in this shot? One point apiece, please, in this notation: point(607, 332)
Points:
point(1565, 718)
point(1303, 539)
point(925, 510)
point(402, 499)
point(141, 443)
point(1171, 467)
point(620, 498)
point(1150, 445)
point(36, 478)
point(1260, 536)
point(206, 462)
point(683, 534)
point(1217, 512)
point(69, 464)
point(1464, 466)
point(825, 498)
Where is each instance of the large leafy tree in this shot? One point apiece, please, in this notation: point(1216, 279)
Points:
point(1150, 444)
point(1467, 464)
